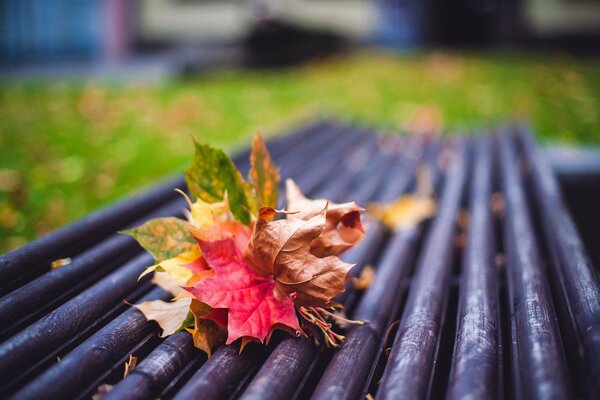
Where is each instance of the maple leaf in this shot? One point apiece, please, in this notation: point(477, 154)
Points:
point(211, 174)
point(164, 238)
point(207, 333)
point(204, 215)
point(283, 248)
point(249, 297)
point(168, 315)
point(343, 228)
point(264, 174)
point(180, 268)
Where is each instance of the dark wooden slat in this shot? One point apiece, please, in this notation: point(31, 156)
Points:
point(54, 287)
point(93, 356)
point(474, 371)
point(225, 370)
point(311, 148)
point(538, 364)
point(578, 282)
point(348, 371)
point(73, 238)
point(46, 335)
point(325, 162)
point(410, 365)
point(155, 372)
point(349, 368)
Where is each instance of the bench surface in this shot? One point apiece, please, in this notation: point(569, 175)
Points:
point(493, 297)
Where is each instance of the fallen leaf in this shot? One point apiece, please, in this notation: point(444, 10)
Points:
point(164, 238)
point(211, 174)
point(203, 214)
point(463, 218)
point(249, 297)
point(207, 333)
point(282, 248)
point(264, 174)
point(102, 390)
point(168, 315)
point(182, 267)
point(365, 279)
point(60, 263)
point(221, 230)
point(405, 212)
point(130, 365)
point(343, 228)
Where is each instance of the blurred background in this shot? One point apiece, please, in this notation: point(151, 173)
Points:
point(99, 98)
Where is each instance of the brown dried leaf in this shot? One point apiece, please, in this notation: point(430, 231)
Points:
point(365, 279)
point(169, 315)
point(342, 230)
point(283, 248)
point(206, 333)
point(60, 263)
point(130, 365)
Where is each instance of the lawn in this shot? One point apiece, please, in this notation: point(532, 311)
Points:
point(67, 148)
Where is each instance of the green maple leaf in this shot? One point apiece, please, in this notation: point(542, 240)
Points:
point(212, 173)
point(164, 238)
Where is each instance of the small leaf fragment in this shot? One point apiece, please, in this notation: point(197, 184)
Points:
point(60, 262)
point(130, 365)
point(168, 315)
point(164, 238)
point(363, 282)
point(264, 174)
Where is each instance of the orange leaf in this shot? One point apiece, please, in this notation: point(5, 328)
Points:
point(264, 174)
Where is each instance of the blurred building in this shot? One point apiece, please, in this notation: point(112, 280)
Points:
point(41, 31)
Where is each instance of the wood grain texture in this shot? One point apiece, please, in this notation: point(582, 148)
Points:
point(474, 372)
point(539, 365)
point(576, 281)
point(410, 365)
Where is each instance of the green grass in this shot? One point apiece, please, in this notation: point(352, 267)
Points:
point(68, 148)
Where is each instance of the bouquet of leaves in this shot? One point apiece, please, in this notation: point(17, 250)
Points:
point(237, 268)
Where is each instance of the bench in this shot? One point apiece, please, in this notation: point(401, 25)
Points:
point(494, 297)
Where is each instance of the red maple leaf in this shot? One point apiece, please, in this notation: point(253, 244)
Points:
point(249, 297)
